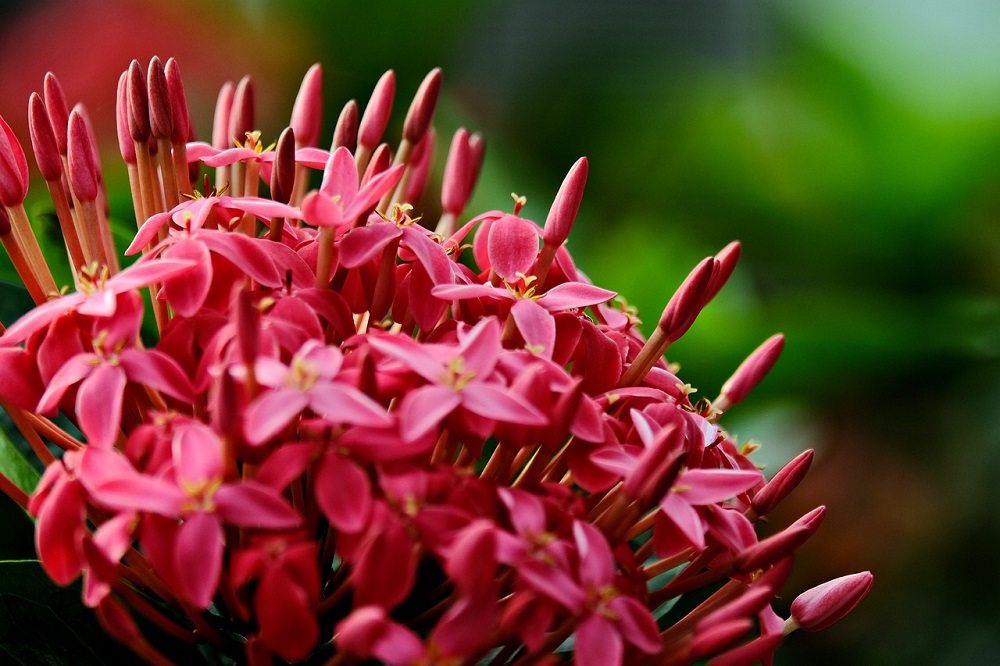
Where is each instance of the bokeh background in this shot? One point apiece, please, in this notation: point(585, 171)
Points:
point(853, 146)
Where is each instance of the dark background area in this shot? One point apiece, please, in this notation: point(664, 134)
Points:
point(853, 147)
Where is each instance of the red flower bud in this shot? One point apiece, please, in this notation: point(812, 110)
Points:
point(825, 604)
point(178, 103)
point(345, 134)
point(241, 115)
point(751, 371)
point(456, 184)
point(221, 138)
point(125, 143)
point(783, 483)
point(283, 171)
point(307, 112)
point(160, 113)
point(84, 171)
point(138, 103)
point(43, 140)
point(376, 115)
point(566, 204)
point(418, 118)
point(13, 167)
point(55, 104)
point(687, 301)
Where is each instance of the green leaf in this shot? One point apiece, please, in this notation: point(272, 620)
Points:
point(42, 624)
point(15, 466)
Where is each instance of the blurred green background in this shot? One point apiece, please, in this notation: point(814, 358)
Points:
point(852, 146)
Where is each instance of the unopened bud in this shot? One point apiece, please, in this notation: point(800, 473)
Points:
point(380, 161)
point(125, 143)
point(283, 168)
point(747, 605)
point(687, 301)
point(751, 371)
point(418, 117)
point(771, 549)
point(726, 261)
point(13, 167)
point(84, 171)
point(420, 166)
point(717, 637)
point(566, 204)
point(241, 115)
point(784, 482)
point(455, 185)
point(221, 138)
point(376, 115)
point(307, 112)
point(43, 140)
point(345, 134)
point(755, 652)
point(179, 111)
point(825, 604)
point(160, 115)
point(58, 110)
point(138, 103)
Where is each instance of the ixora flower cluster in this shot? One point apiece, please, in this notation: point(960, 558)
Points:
point(343, 436)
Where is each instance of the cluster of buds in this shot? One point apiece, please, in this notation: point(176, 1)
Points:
point(345, 435)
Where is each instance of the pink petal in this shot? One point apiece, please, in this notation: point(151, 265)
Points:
point(423, 410)
point(285, 613)
point(158, 371)
point(71, 372)
point(364, 244)
point(597, 564)
point(598, 642)
point(537, 326)
point(571, 295)
point(38, 318)
point(344, 404)
point(251, 504)
point(60, 531)
point(431, 255)
point(340, 177)
point(459, 292)
point(99, 404)
point(480, 347)
point(198, 552)
point(708, 486)
point(636, 624)
point(494, 402)
point(513, 247)
point(268, 415)
point(685, 518)
point(374, 190)
point(187, 293)
point(197, 453)
point(343, 494)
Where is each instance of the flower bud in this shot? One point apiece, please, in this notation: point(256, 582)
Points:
point(160, 114)
point(179, 111)
point(307, 112)
point(771, 549)
point(420, 166)
point(455, 186)
point(783, 483)
point(283, 170)
point(825, 604)
point(125, 143)
point(138, 103)
point(43, 140)
point(715, 637)
point(345, 134)
point(376, 115)
point(418, 118)
point(380, 161)
point(221, 138)
point(13, 168)
point(566, 204)
point(84, 171)
point(751, 372)
point(55, 105)
point(726, 261)
point(241, 115)
point(687, 301)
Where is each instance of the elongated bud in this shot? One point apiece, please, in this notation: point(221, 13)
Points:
point(179, 111)
point(84, 171)
point(717, 637)
point(307, 112)
point(345, 134)
point(818, 608)
point(115, 620)
point(726, 261)
point(43, 140)
point(283, 169)
point(125, 143)
point(687, 301)
point(58, 110)
point(456, 184)
point(241, 116)
point(477, 152)
point(754, 652)
point(771, 549)
point(418, 118)
point(811, 520)
point(376, 115)
point(13, 167)
point(565, 206)
point(223, 106)
point(784, 482)
point(751, 372)
point(746, 605)
point(420, 166)
point(380, 161)
point(657, 467)
point(138, 103)
point(160, 114)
